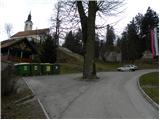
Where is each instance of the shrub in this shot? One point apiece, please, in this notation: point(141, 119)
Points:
point(8, 80)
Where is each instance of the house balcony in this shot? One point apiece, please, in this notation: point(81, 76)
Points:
point(15, 59)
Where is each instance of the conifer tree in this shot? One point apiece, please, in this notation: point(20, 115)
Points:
point(49, 51)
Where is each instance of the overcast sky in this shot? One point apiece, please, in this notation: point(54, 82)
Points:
point(16, 12)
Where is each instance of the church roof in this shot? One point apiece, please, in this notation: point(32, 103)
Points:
point(31, 32)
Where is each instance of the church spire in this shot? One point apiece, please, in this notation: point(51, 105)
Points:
point(29, 17)
point(28, 23)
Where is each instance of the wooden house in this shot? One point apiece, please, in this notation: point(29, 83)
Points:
point(17, 50)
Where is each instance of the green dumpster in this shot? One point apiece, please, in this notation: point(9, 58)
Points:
point(46, 68)
point(35, 69)
point(56, 68)
point(23, 69)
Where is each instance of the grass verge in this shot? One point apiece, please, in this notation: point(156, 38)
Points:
point(103, 66)
point(100, 67)
point(70, 68)
point(150, 84)
point(76, 68)
point(28, 109)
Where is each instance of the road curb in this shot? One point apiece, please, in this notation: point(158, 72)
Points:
point(24, 99)
point(154, 104)
point(44, 110)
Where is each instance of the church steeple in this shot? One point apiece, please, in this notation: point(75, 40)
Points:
point(28, 23)
point(29, 17)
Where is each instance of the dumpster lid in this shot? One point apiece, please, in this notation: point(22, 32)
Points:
point(21, 63)
point(35, 63)
point(46, 63)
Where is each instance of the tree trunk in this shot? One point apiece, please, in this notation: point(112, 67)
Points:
point(83, 19)
point(89, 61)
point(88, 37)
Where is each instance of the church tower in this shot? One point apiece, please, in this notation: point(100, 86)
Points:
point(28, 23)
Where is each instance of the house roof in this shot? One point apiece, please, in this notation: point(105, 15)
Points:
point(9, 42)
point(30, 32)
point(12, 41)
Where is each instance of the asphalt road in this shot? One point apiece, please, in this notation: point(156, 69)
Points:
point(114, 95)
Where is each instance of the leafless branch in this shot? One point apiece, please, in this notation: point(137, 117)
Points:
point(8, 28)
point(70, 20)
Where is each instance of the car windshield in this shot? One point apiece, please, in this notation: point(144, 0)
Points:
point(126, 66)
point(129, 66)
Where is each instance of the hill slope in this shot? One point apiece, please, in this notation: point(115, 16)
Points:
point(64, 55)
point(71, 62)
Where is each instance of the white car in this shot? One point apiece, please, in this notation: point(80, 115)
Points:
point(129, 67)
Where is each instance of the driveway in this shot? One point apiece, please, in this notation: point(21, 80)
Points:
point(114, 95)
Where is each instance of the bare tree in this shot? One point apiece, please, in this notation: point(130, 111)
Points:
point(56, 22)
point(108, 7)
point(88, 12)
point(8, 28)
point(61, 20)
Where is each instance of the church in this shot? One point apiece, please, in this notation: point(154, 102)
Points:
point(29, 33)
point(19, 48)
